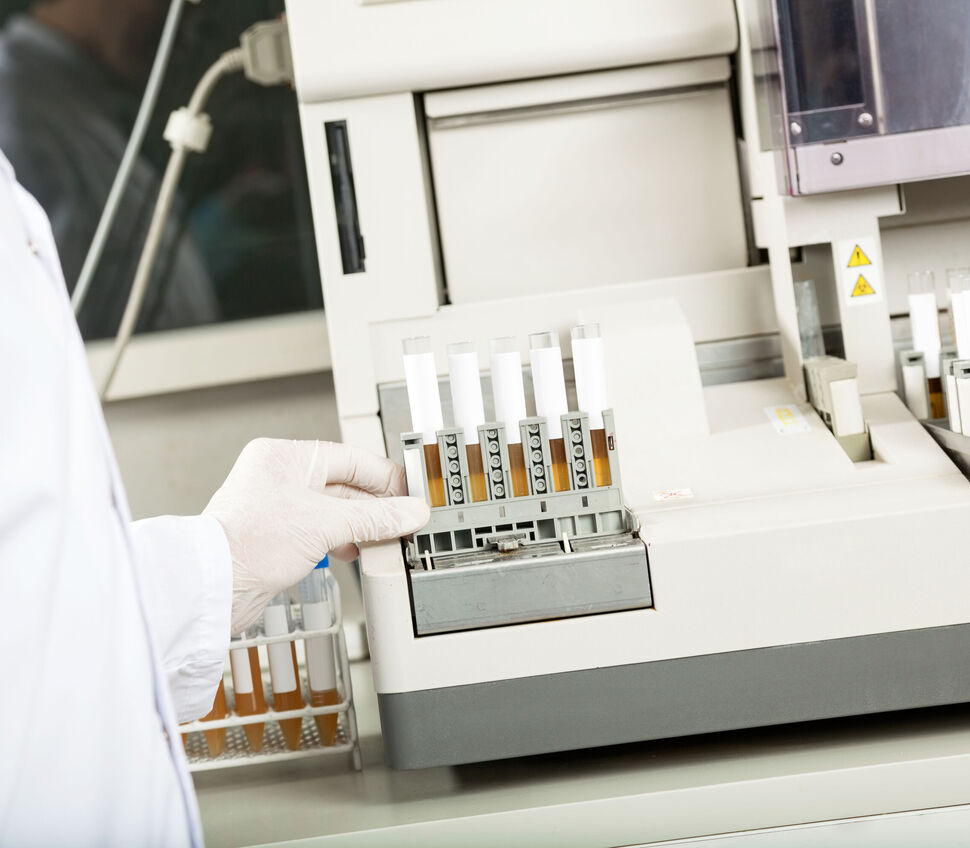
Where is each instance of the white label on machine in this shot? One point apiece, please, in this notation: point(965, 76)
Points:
point(242, 675)
point(914, 391)
point(860, 275)
point(963, 399)
point(319, 650)
point(847, 417)
point(924, 319)
point(952, 404)
point(787, 420)
point(281, 670)
point(961, 324)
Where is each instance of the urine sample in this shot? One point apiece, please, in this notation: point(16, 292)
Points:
point(508, 393)
point(589, 365)
point(317, 608)
point(549, 387)
point(247, 683)
point(284, 674)
point(216, 739)
point(958, 282)
point(421, 376)
point(924, 318)
point(469, 409)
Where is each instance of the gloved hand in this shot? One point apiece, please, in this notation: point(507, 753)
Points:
point(285, 504)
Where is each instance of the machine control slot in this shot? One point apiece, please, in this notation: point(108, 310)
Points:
point(344, 197)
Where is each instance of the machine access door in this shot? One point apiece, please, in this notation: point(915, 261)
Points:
point(586, 179)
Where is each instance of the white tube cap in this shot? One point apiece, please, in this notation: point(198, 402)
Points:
point(422, 381)
point(589, 365)
point(549, 384)
point(508, 390)
point(466, 389)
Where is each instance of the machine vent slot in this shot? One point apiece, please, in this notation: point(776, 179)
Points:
point(344, 197)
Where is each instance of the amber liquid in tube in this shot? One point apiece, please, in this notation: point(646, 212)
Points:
point(216, 739)
point(476, 473)
point(326, 724)
point(601, 458)
point(520, 480)
point(293, 700)
point(436, 485)
point(937, 406)
point(284, 674)
point(253, 702)
point(560, 471)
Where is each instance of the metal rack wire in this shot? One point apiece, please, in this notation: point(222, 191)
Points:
point(237, 751)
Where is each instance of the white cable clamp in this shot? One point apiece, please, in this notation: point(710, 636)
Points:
point(187, 131)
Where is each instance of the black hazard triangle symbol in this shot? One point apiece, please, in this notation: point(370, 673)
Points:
point(858, 258)
point(862, 287)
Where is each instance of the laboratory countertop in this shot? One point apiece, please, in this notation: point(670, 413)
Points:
point(631, 794)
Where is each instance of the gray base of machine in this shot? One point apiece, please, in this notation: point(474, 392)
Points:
point(680, 697)
point(508, 591)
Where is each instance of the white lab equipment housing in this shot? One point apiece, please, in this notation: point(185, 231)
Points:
point(483, 169)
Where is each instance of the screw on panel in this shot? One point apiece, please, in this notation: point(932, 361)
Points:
point(865, 119)
point(795, 128)
point(837, 159)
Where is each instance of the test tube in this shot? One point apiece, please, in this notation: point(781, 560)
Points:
point(283, 671)
point(958, 282)
point(469, 409)
point(216, 739)
point(425, 402)
point(549, 386)
point(317, 609)
point(247, 683)
point(508, 393)
point(924, 318)
point(589, 365)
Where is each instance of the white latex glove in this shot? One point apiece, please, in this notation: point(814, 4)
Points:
point(285, 504)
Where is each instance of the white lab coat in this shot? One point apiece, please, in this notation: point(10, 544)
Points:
point(109, 631)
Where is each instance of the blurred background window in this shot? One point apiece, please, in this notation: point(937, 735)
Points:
point(239, 243)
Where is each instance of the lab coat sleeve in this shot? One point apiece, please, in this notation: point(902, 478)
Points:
point(185, 571)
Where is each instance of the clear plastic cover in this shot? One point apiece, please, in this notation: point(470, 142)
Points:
point(459, 348)
point(921, 282)
point(585, 331)
point(544, 340)
point(416, 344)
point(503, 344)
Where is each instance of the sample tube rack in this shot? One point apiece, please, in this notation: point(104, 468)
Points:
point(237, 751)
point(547, 554)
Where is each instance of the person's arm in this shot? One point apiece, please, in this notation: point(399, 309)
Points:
point(284, 505)
point(185, 572)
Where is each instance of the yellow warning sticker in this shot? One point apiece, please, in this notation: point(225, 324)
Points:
point(858, 258)
point(862, 287)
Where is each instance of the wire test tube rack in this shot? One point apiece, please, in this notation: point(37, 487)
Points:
point(237, 751)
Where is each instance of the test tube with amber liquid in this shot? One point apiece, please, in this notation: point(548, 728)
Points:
point(284, 674)
point(549, 388)
point(924, 318)
point(317, 609)
point(215, 740)
point(469, 410)
point(589, 366)
point(421, 376)
point(247, 684)
point(508, 394)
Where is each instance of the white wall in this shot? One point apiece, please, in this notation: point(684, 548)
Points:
point(176, 449)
